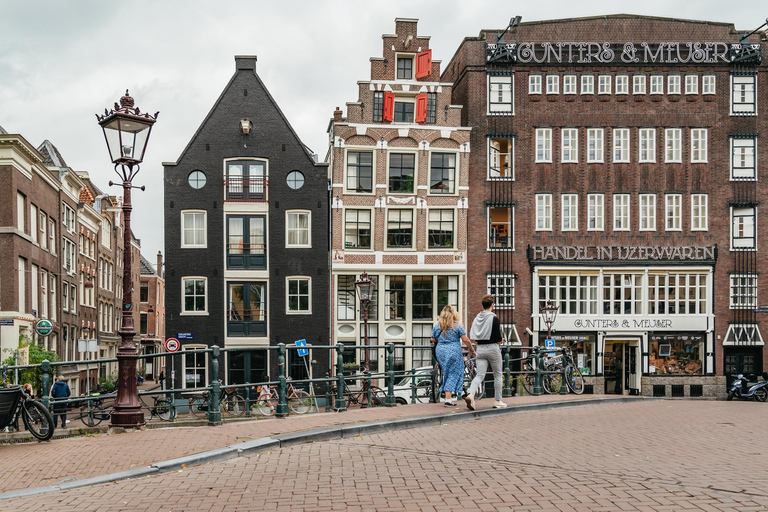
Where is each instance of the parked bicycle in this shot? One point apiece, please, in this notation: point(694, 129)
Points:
point(15, 402)
point(470, 370)
point(162, 407)
point(230, 403)
point(360, 397)
point(93, 411)
point(551, 382)
point(299, 401)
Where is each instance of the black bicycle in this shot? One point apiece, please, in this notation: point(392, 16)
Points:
point(161, 407)
point(14, 402)
point(550, 382)
point(93, 411)
point(378, 396)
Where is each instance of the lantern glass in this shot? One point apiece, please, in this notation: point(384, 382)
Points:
point(364, 288)
point(549, 313)
point(126, 137)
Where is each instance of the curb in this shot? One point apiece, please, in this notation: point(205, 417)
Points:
point(318, 435)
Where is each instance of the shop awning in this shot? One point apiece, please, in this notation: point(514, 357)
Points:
point(743, 334)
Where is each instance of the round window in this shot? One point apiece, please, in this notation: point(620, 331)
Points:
point(295, 180)
point(196, 179)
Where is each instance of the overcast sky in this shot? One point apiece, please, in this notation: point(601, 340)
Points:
point(61, 62)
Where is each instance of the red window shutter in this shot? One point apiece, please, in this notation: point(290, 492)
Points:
point(424, 64)
point(389, 106)
point(421, 108)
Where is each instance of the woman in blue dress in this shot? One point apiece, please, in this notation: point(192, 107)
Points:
point(449, 335)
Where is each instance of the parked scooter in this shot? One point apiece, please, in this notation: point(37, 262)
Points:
point(744, 390)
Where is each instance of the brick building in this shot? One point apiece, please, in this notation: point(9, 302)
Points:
point(632, 147)
point(399, 165)
point(152, 311)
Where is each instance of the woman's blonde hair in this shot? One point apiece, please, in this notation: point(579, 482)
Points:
point(448, 318)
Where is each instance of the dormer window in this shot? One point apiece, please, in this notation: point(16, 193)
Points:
point(405, 68)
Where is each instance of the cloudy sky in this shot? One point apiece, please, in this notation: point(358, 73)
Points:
point(61, 62)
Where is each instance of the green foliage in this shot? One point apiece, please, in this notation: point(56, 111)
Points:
point(37, 355)
point(108, 384)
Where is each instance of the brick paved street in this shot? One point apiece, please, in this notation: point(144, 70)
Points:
point(653, 455)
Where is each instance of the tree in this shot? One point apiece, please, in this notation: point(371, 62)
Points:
point(36, 356)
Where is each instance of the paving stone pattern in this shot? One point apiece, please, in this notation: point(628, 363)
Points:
point(654, 456)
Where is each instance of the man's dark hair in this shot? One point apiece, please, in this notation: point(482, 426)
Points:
point(488, 300)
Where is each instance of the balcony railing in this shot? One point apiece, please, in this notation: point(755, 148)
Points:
point(246, 189)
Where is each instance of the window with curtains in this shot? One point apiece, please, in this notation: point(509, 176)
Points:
point(194, 295)
point(595, 145)
point(500, 94)
point(447, 292)
point(570, 212)
point(699, 145)
point(246, 180)
point(246, 242)
point(193, 229)
point(647, 144)
point(440, 229)
point(743, 234)
point(743, 94)
point(570, 145)
point(595, 212)
point(394, 297)
point(672, 145)
point(297, 229)
point(543, 212)
point(743, 158)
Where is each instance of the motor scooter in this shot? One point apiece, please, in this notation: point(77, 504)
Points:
point(744, 390)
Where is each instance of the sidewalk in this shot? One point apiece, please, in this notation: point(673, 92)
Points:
point(76, 458)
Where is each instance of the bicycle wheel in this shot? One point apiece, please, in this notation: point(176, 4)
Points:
point(347, 398)
point(437, 380)
point(37, 419)
point(266, 405)
point(378, 397)
point(300, 402)
point(233, 404)
point(198, 406)
point(470, 372)
point(529, 379)
point(164, 409)
point(552, 382)
point(574, 379)
point(91, 414)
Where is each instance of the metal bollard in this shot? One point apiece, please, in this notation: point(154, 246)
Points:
point(45, 397)
point(368, 385)
point(390, 375)
point(248, 400)
point(538, 389)
point(282, 388)
point(340, 403)
point(328, 404)
point(507, 389)
point(214, 411)
point(413, 385)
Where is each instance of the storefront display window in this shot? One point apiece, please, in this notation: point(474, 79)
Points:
point(676, 354)
point(583, 348)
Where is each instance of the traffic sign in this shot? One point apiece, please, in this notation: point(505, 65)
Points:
point(43, 327)
point(302, 352)
point(549, 343)
point(172, 345)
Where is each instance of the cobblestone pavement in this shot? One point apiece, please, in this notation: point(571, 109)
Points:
point(659, 455)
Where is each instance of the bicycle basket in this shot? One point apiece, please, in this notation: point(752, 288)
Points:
point(9, 402)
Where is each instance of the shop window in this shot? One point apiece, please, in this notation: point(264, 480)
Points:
point(195, 367)
point(359, 171)
point(440, 229)
point(442, 173)
point(500, 158)
point(672, 145)
point(246, 180)
point(194, 293)
point(743, 291)
point(246, 242)
point(357, 229)
point(673, 84)
point(502, 287)
point(543, 145)
point(394, 295)
point(622, 84)
point(595, 145)
point(569, 84)
point(500, 228)
point(346, 307)
point(743, 94)
point(622, 294)
point(247, 309)
point(674, 212)
point(647, 212)
point(743, 158)
point(676, 354)
point(595, 212)
point(699, 212)
point(587, 84)
point(699, 145)
point(570, 212)
point(570, 145)
point(534, 84)
point(621, 212)
point(399, 228)
point(743, 228)
point(421, 298)
point(553, 84)
point(447, 292)
point(298, 229)
point(402, 168)
point(677, 294)
point(500, 94)
point(543, 212)
point(621, 145)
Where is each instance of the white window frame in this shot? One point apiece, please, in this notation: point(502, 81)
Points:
point(657, 84)
point(52, 235)
point(708, 84)
point(691, 84)
point(621, 152)
point(603, 84)
point(744, 213)
point(183, 311)
point(638, 84)
point(534, 84)
point(497, 285)
point(673, 218)
point(194, 230)
point(673, 84)
point(621, 212)
point(543, 145)
point(569, 208)
point(553, 84)
point(288, 280)
point(439, 221)
point(543, 212)
point(202, 354)
point(510, 159)
point(647, 145)
point(699, 143)
point(587, 84)
point(673, 152)
point(42, 226)
point(699, 212)
point(504, 85)
point(622, 84)
point(595, 145)
point(298, 213)
point(569, 144)
point(647, 212)
point(569, 84)
point(596, 212)
point(747, 145)
point(744, 107)
point(743, 294)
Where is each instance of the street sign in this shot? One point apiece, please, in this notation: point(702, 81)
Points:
point(184, 336)
point(6, 321)
point(549, 343)
point(302, 352)
point(762, 309)
point(43, 327)
point(172, 345)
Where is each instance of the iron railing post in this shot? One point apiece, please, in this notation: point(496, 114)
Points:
point(282, 389)
point(563, 384)
point(340, 404)
point(328, 404)
point(214, 411)
point(413, 385)
point(537, 387)
point(390, 375)
point(507, 389)
point(248, 400)
point(44, 393)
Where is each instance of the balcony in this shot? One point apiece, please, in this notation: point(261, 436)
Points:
point(246, 189)
point(246, 322)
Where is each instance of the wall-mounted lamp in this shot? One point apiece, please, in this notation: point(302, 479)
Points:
point(407, 41)
point(245, 126)
point(424, 146)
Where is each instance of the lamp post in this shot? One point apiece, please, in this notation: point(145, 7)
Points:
point(548, 315)
point(364, 288)
point(126, 131)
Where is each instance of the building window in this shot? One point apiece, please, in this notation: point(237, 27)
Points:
point(691, 84)
point(399, 228)
point(543, 212)
point(193, 229)
point(195, 368)
point(442, 173)
point(394, 295)
point(569, 84)
point(246, 242)
point(447, 292)
point(20, 211)
point(144, 292)
point(247, 309)
point(604, 84)
point(621, 212)
point(295, 180)
point(345, 298)
point(431, 108)
point(674, 215)
point(672, 145)
point(68, 218)
point(622, 84)
point(743, 158)
point(587, 84)
point(405, 68)
point(570, 212)
point(743, 291)
point(534, 84)
point(53, 292)
point(143, 321)
point(503, 290)
point(647, 144)
point(622, 294)
point(43, 227)
point(194, 292)
point(673, 84)
point(421, 297)
point(422, 356)
point(708, 84)
point(360, 171)
point(297, 229)
point(401, 173)
point(500, 228)
point(196, 179)
point(699, 213)
point(500, 95)
point(621, 145)
point(699, 145)
point(595, 212)
point(575, 294)
point(299, 295)
point(357, 229)
point(69, 256)
point(595, 145)
point(500, 158)
point(638, 84)
point(52, 236)
point(743, 97)
point(246, 180)
point(378, 106)
point(677, 294)
point(440, 229)
point(404, 111)
point(657, 84)
point(553, 84)
point(543, 145)
point(570, 145)
point(743, 228)
point(647, 212)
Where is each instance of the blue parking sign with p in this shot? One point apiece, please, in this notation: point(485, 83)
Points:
point(549, 343)
point(302, 352)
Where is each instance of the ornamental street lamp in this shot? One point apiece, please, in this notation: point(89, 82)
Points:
point(364, 288)
point(548, 315)
point(126, 131)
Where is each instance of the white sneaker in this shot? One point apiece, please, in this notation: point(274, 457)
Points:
point(470, 399)
point(498, 404)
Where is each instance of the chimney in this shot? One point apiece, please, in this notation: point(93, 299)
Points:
point(246, 62)
point(159, 264)
point(337, 115)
